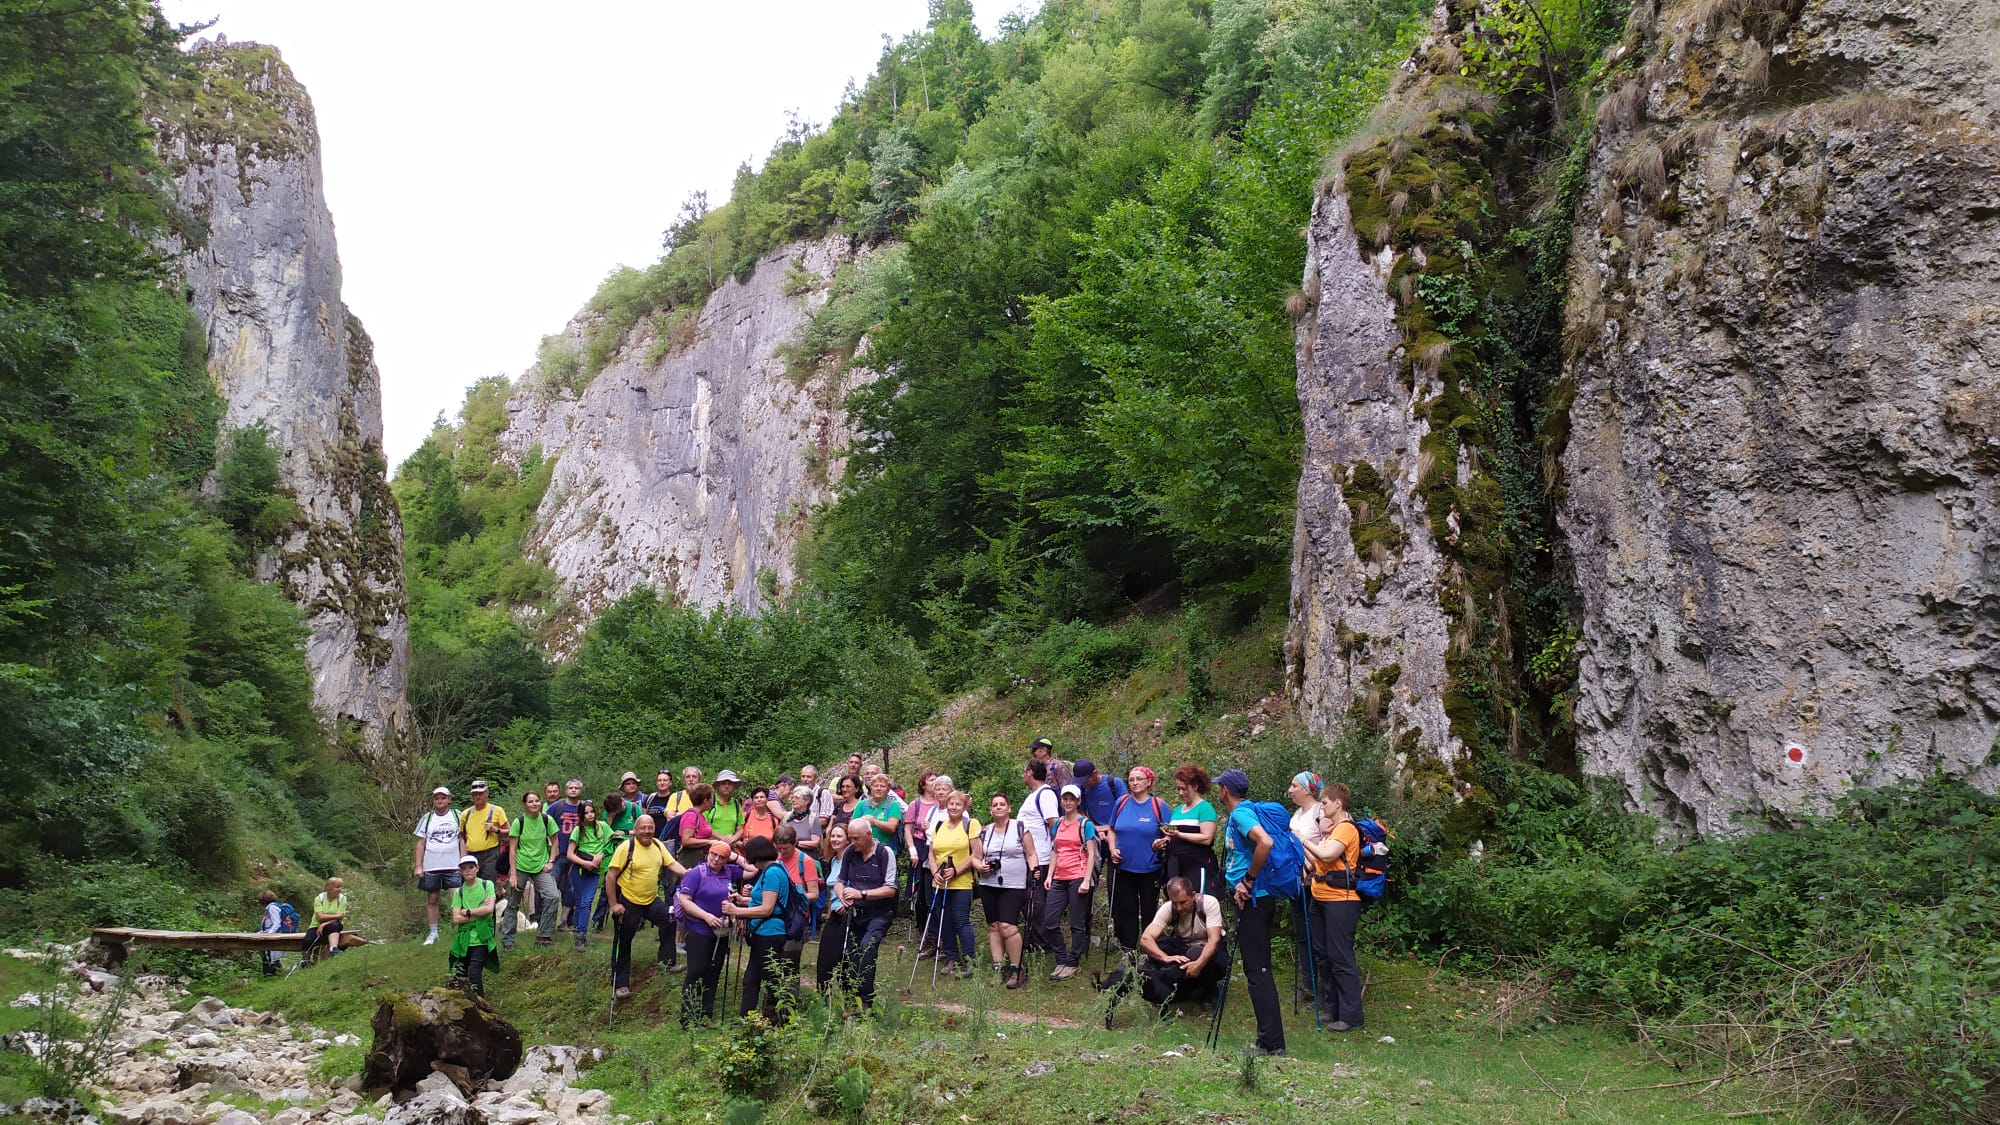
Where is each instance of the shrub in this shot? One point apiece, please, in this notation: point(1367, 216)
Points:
point(1076, 654)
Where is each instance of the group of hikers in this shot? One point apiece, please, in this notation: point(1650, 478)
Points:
point(771, 867)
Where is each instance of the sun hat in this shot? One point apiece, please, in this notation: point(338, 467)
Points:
point(727, 775)
point(629, 776)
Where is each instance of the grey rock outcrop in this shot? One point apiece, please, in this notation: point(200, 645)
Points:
point(1367, 636)
point(1784, 459)
point(690, 469)
point(262, 273)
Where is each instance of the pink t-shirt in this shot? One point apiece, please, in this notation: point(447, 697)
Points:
point(1069, 840)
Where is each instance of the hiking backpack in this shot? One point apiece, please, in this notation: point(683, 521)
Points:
point(1159, 810)
point(1371, 867)
point(1282, 869)
point(288, 918)
point(797, 908)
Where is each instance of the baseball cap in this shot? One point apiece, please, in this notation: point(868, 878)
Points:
point(726, 775)
point(477, 787)
point(465, 859)
point(1040, 743)
point(1236, 781)
point(1084, 767)
point(441, 789)
point(1072, 791)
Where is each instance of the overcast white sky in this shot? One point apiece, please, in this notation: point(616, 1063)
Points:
point(488, 163)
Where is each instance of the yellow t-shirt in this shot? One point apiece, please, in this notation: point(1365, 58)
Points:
point(955, 845)
point(639, 872)
point(482, 831)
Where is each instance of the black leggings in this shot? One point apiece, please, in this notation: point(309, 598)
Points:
point(832, 943)
point(1134, 898)
point(708, 954)
point(771, 974)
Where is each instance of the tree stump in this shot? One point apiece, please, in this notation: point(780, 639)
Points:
point(446, 1030)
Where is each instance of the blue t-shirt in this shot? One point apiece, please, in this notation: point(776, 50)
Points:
point(1137, 825)
point(1236, 867)
point(773, 879)
point(1100, 801)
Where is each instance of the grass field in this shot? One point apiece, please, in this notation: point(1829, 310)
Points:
point(964, 1050)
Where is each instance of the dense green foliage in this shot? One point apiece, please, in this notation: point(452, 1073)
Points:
point(156, 721)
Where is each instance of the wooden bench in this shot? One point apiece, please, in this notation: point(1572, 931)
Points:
point(118, 940)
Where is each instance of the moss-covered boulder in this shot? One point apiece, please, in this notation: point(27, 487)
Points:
point(444, 1029)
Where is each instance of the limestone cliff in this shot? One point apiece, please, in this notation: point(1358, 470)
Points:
point(262, 273)
point(1784, 459)
point(691, 461)
point(1727, 535)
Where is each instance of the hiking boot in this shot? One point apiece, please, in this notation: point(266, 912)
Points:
point(432, 939)
point(1017, 977)
point(1339, 1025)
point(542, 942)
point(1271, 1052)
point(621, 993)
point(1063, 972)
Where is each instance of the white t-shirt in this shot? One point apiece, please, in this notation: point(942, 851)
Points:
point(1038, 811)
point(1195, 926)
point(439, 832)
point(1309, 823)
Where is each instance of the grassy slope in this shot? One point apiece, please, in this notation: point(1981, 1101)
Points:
point(1441, 1068)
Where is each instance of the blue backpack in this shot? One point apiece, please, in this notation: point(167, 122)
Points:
point(1286, 863)
point(1368, 875)
point(288, 919)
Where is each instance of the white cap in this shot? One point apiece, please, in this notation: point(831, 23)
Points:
point(727, 775)
point(1072, 791)
point(440, 789)
point(465, 859)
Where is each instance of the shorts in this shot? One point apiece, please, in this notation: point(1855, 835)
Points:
point(1003, 904)
point(440, 881)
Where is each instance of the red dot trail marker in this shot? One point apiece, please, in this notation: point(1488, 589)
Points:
point(1795, 755)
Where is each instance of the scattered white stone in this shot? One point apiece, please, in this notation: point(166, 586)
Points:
point(237, 1117)
point(1386, 1039)
point(26, 999)
point(294, 1095)
point(200, 1040)
point(296, 1115)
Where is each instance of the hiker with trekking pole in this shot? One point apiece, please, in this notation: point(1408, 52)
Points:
point(698, 900)
point(1263, 870)
point(954, 848)
point(1100, 795)
point(632, 885)
point(1308, 827)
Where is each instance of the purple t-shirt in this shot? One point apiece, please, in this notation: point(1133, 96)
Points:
point(707, 889)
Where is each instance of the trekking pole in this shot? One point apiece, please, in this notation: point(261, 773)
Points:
point(1221, 999)
point(920, 944)
point(1298, 916)
point(1312, 962)
point(1110, 909)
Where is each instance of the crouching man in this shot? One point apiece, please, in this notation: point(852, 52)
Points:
point(1186, 956)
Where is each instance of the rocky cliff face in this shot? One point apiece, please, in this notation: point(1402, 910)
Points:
point(1785, 436)
point(1368, 636)
point(1769, 440)
point(262, 272)
point(689, 464)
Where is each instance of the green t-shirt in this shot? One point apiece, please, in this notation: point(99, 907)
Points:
point(592, 839)
point(726, 819)
point(479, 931)
point(621, 825)
point(532, 839)
point(325, 905)
point(889, 809)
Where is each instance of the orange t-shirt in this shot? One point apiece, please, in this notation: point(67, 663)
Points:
point(1350, 839)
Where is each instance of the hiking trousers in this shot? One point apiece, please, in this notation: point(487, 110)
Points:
point(548, 903)
point(1066, 899)
point(1134, 898)
point(1253, 941)
point(832, 948)
point(708, 955)
point(1333, 926)
point(770, 974)
point(629, 924)
point(864, 944)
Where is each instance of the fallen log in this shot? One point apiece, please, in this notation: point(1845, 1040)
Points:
point(117, 940)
